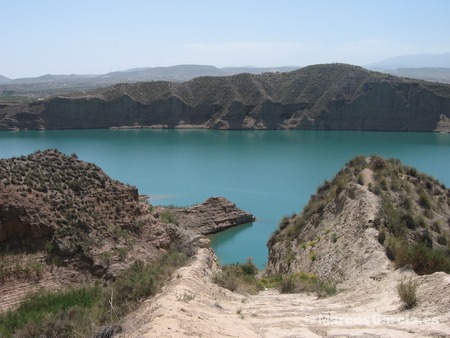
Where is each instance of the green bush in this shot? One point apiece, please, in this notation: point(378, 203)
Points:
point(71, 322)
point(423, 259)
point(77, 312)
point(304, 282)
point(167, 217)
point(288, 285)
point(424, 200)
point(38, 308)
point(239, 277)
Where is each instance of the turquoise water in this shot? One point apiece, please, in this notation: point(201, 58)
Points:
point(268, 173)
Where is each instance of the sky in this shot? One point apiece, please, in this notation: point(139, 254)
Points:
point(40, 37)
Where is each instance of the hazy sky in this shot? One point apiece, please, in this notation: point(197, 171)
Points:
point(98, 36)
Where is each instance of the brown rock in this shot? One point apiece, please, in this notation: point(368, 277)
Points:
point(213, 215)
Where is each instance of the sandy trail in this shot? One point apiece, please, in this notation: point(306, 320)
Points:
point(192, 306)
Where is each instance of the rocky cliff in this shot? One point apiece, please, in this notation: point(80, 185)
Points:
point(322, 97)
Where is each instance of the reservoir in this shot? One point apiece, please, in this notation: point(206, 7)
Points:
point(268, 173)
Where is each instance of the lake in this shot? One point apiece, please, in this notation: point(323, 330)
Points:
point(269, 173)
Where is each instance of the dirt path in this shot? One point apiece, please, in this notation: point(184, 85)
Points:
point(192, 306)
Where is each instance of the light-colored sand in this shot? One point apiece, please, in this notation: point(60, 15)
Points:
point(192, 306)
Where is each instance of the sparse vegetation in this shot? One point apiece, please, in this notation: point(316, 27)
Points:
point(422, 258)
point(239, 277)
point(303, 282)
point(41, 308)
point(19, 267)
point(186, 297)
point(59, 191)
point(407, 291)
point(414, 207)
point(79, 312)
point(167, 217)
point(408, 229)
point(334, 237)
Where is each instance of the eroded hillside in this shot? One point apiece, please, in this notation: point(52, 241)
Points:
point(325, 97)
point(371, 204)
point(65, 222)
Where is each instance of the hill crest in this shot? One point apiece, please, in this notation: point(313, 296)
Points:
point(374, 215)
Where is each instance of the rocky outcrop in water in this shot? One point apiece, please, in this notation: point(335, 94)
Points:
point(213, 215)
point(321, 97)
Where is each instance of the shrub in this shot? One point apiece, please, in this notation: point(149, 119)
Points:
point(288, 285)
point(442, 240)
point(273, 238)
point(272, 281)
point(390, 252)
point(423, 259)
point(406, 203)
point(323, 289)
point(378, 163)
point(284, 223)
point(334, 237)
point(424, 200)
point(436, 227)
point(360, 179)
point(239, 277)
point(381, 236)
point(407, 291)
point(303, 282)
point(40, 307)
point(84, 309)
point(132, 287)
point(167, 217)
point(72, 322)
point(412, 172)
point(249, 268)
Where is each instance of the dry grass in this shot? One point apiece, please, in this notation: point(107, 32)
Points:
point(407, 291)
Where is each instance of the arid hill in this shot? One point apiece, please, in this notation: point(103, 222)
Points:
point(371, 204)
point(322, 97)
point(63, 221)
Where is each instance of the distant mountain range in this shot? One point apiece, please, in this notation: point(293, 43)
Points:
point(430, 67)
point(412, 61)
point(176, 73)
point(4, 79)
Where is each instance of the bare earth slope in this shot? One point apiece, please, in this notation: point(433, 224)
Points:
point(325, 97)
point(192, 306)
point(338, 238)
